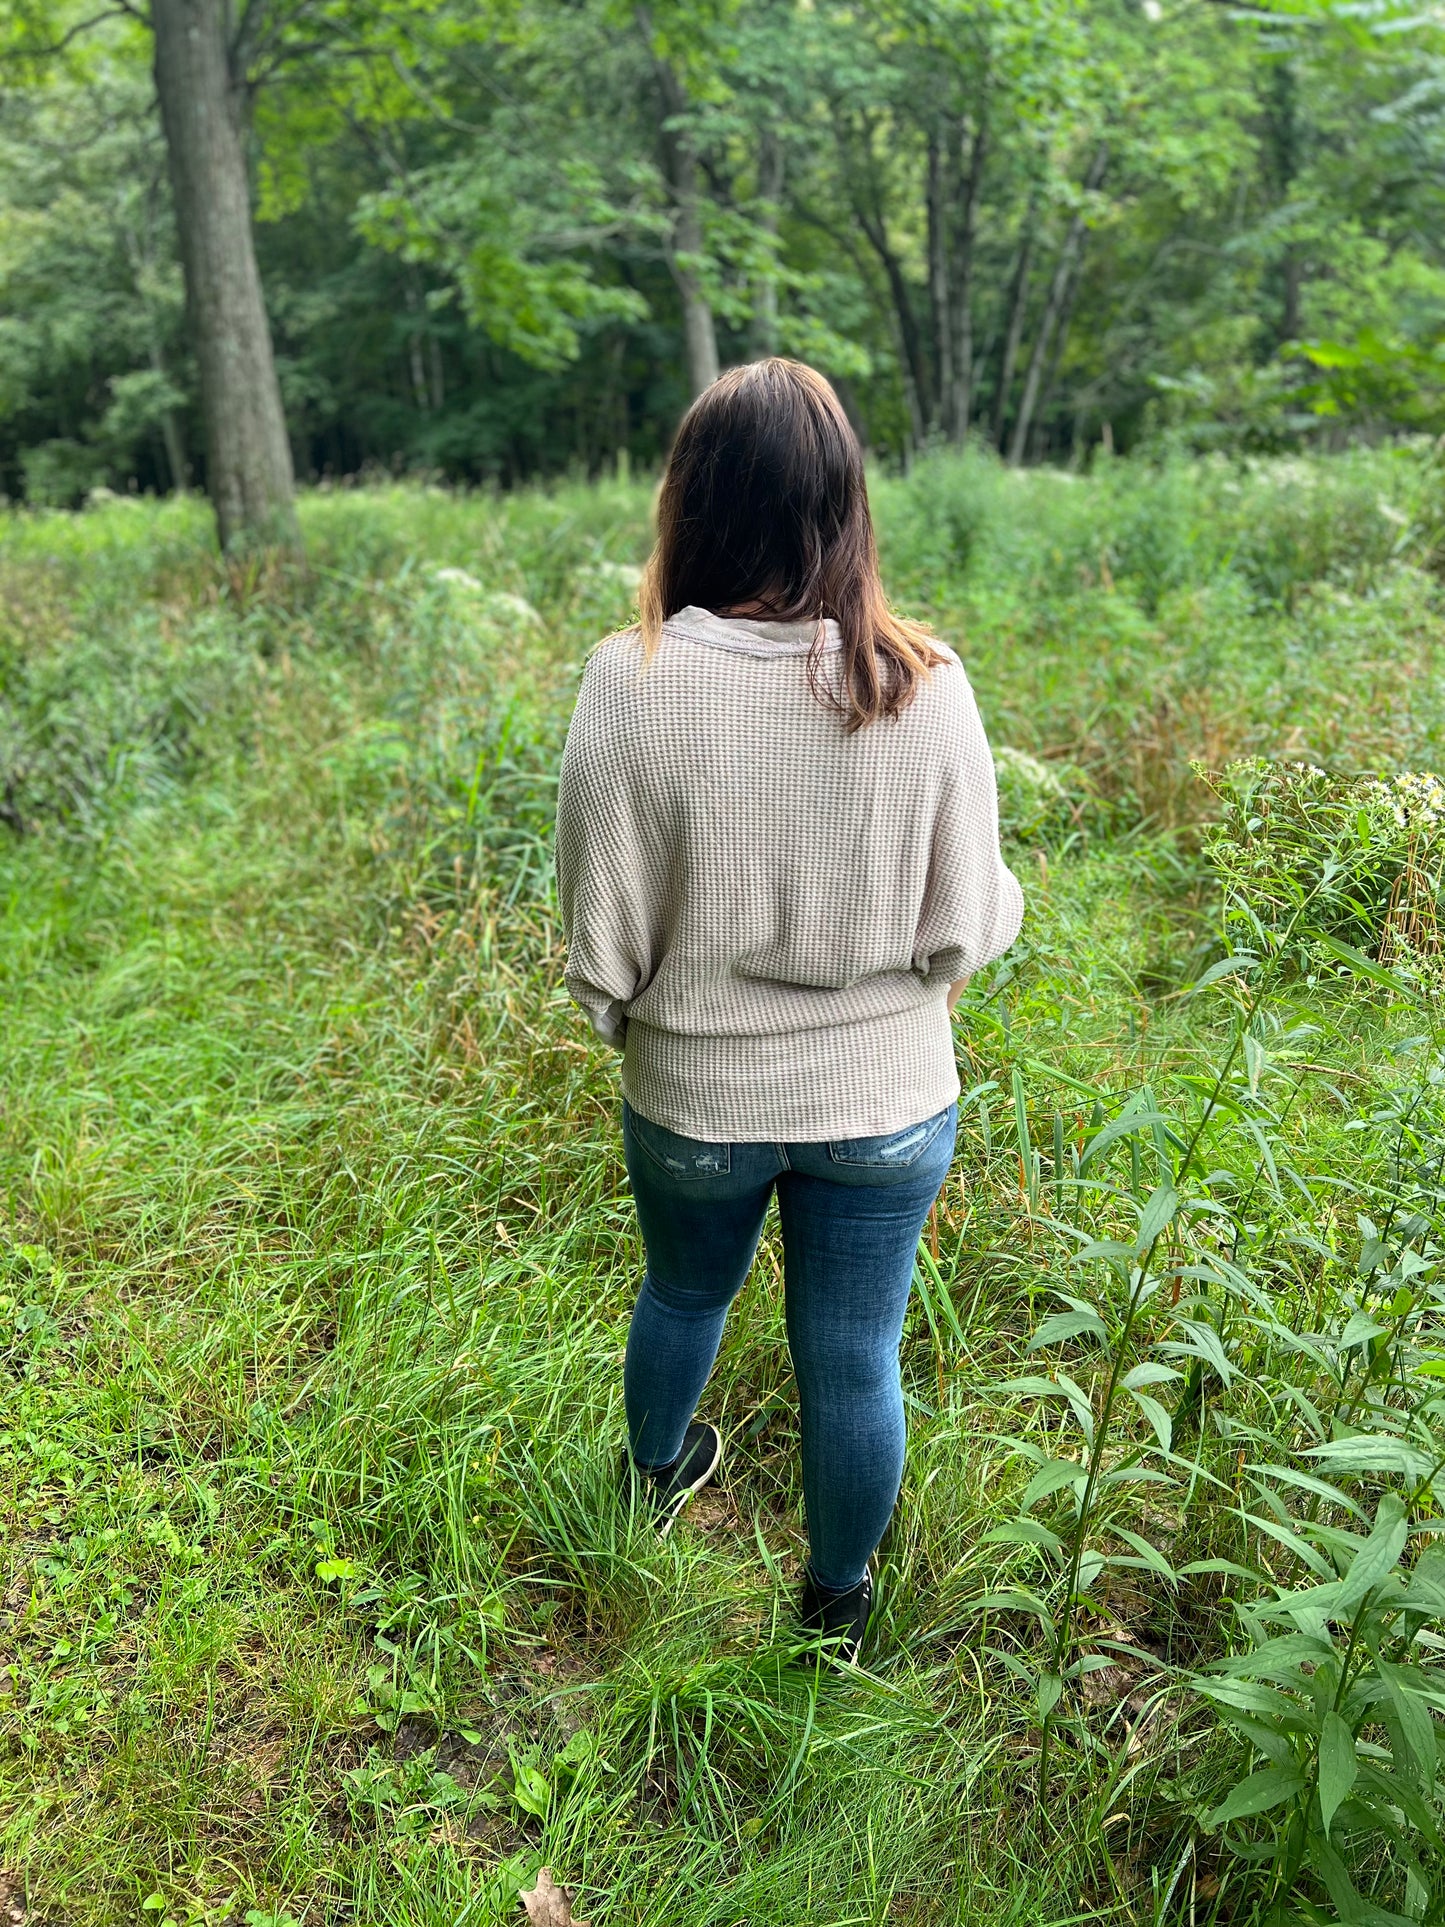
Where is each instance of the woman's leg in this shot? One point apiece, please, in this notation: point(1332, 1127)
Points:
point(701, 1208)
point(852, 1214)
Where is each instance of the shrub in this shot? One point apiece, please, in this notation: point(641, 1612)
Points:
point(1311, 861)
point(91, 723)
point(1037, 801)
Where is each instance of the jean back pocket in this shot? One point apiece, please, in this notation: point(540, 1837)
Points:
point(679, 1157)
point(897, 1151)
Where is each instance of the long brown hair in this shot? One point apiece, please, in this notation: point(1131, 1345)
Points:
point(764, 503)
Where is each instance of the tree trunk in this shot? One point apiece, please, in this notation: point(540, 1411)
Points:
point(249, 476)
point(698, 332)
point(414, 348)
point(1289, 320)
point(911, 357)
point(763, 334)
point(1056, 353)
point(141, 255)
point(1053, 303)
point(855, 138)
point(915, 371)
point(438, 373)
point(939, 291)
point(171, 435)
point(960, 403)
point(679, 161)
point(1018, 296)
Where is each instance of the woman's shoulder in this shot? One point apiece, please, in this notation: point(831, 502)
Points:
point(612, 662)
point(951, 667)
point(945, 691)
point(617, 647)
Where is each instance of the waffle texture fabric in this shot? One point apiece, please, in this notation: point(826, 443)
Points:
point(764, 911)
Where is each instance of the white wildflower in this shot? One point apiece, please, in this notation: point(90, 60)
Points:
point(1016, 768)
point(513, 611)
point(625, 575)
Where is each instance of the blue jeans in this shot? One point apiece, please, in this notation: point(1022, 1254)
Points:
point(851, 1214)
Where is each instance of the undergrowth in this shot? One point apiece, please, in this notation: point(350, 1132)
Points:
point(320, 1599)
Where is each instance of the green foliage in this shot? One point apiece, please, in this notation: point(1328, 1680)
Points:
point(109, 719)
point(316, 1257)
point(467, 226)
point(1387, 378)
point(1309, 862)
point(93, 366)
point(1337, 1693)
point(505, 240)
point(105, 724)
point(1041, 802)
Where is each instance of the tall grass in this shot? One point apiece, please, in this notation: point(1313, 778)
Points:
point(321, 1598)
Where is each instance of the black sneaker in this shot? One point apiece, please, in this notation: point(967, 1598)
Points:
point(840, 1617)
point(667, 1488)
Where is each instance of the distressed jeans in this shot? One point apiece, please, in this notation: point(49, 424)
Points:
point(851, 1214)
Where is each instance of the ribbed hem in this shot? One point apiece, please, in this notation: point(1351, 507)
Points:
point(800, 1087)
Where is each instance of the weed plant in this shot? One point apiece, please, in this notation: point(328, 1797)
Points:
point(1310, 864)
point(320, 1599)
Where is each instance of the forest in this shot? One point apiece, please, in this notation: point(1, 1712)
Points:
point(497, 239)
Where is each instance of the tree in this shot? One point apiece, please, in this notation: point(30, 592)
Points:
point(685, 242)
point(498, 237)
point(202, 92)
point(95, 377)
point(1056, 304)
point(202, 97)
point(939, 117)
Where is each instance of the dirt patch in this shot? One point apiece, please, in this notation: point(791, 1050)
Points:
point(713, 1509)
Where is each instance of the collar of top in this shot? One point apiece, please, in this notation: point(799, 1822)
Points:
point(747, 636)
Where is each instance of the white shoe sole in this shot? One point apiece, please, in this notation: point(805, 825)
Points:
point(681, 1498)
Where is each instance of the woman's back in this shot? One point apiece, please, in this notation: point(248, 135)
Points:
point(749, 877)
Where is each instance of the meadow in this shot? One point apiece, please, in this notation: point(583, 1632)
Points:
point(320, 1601)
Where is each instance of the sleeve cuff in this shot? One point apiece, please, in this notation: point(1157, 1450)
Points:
point(610, 1024)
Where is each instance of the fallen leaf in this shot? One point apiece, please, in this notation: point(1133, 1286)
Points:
point(548, 1904)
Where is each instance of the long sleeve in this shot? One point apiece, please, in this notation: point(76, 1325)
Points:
point(598, 884)
point(972, 905)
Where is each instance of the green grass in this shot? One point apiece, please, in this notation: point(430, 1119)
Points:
point(316, 1255)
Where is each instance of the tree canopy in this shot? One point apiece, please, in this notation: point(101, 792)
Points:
point(503, 239)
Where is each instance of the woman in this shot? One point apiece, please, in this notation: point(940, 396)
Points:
point(777, 849)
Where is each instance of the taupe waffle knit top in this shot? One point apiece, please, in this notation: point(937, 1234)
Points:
point(764, 911)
